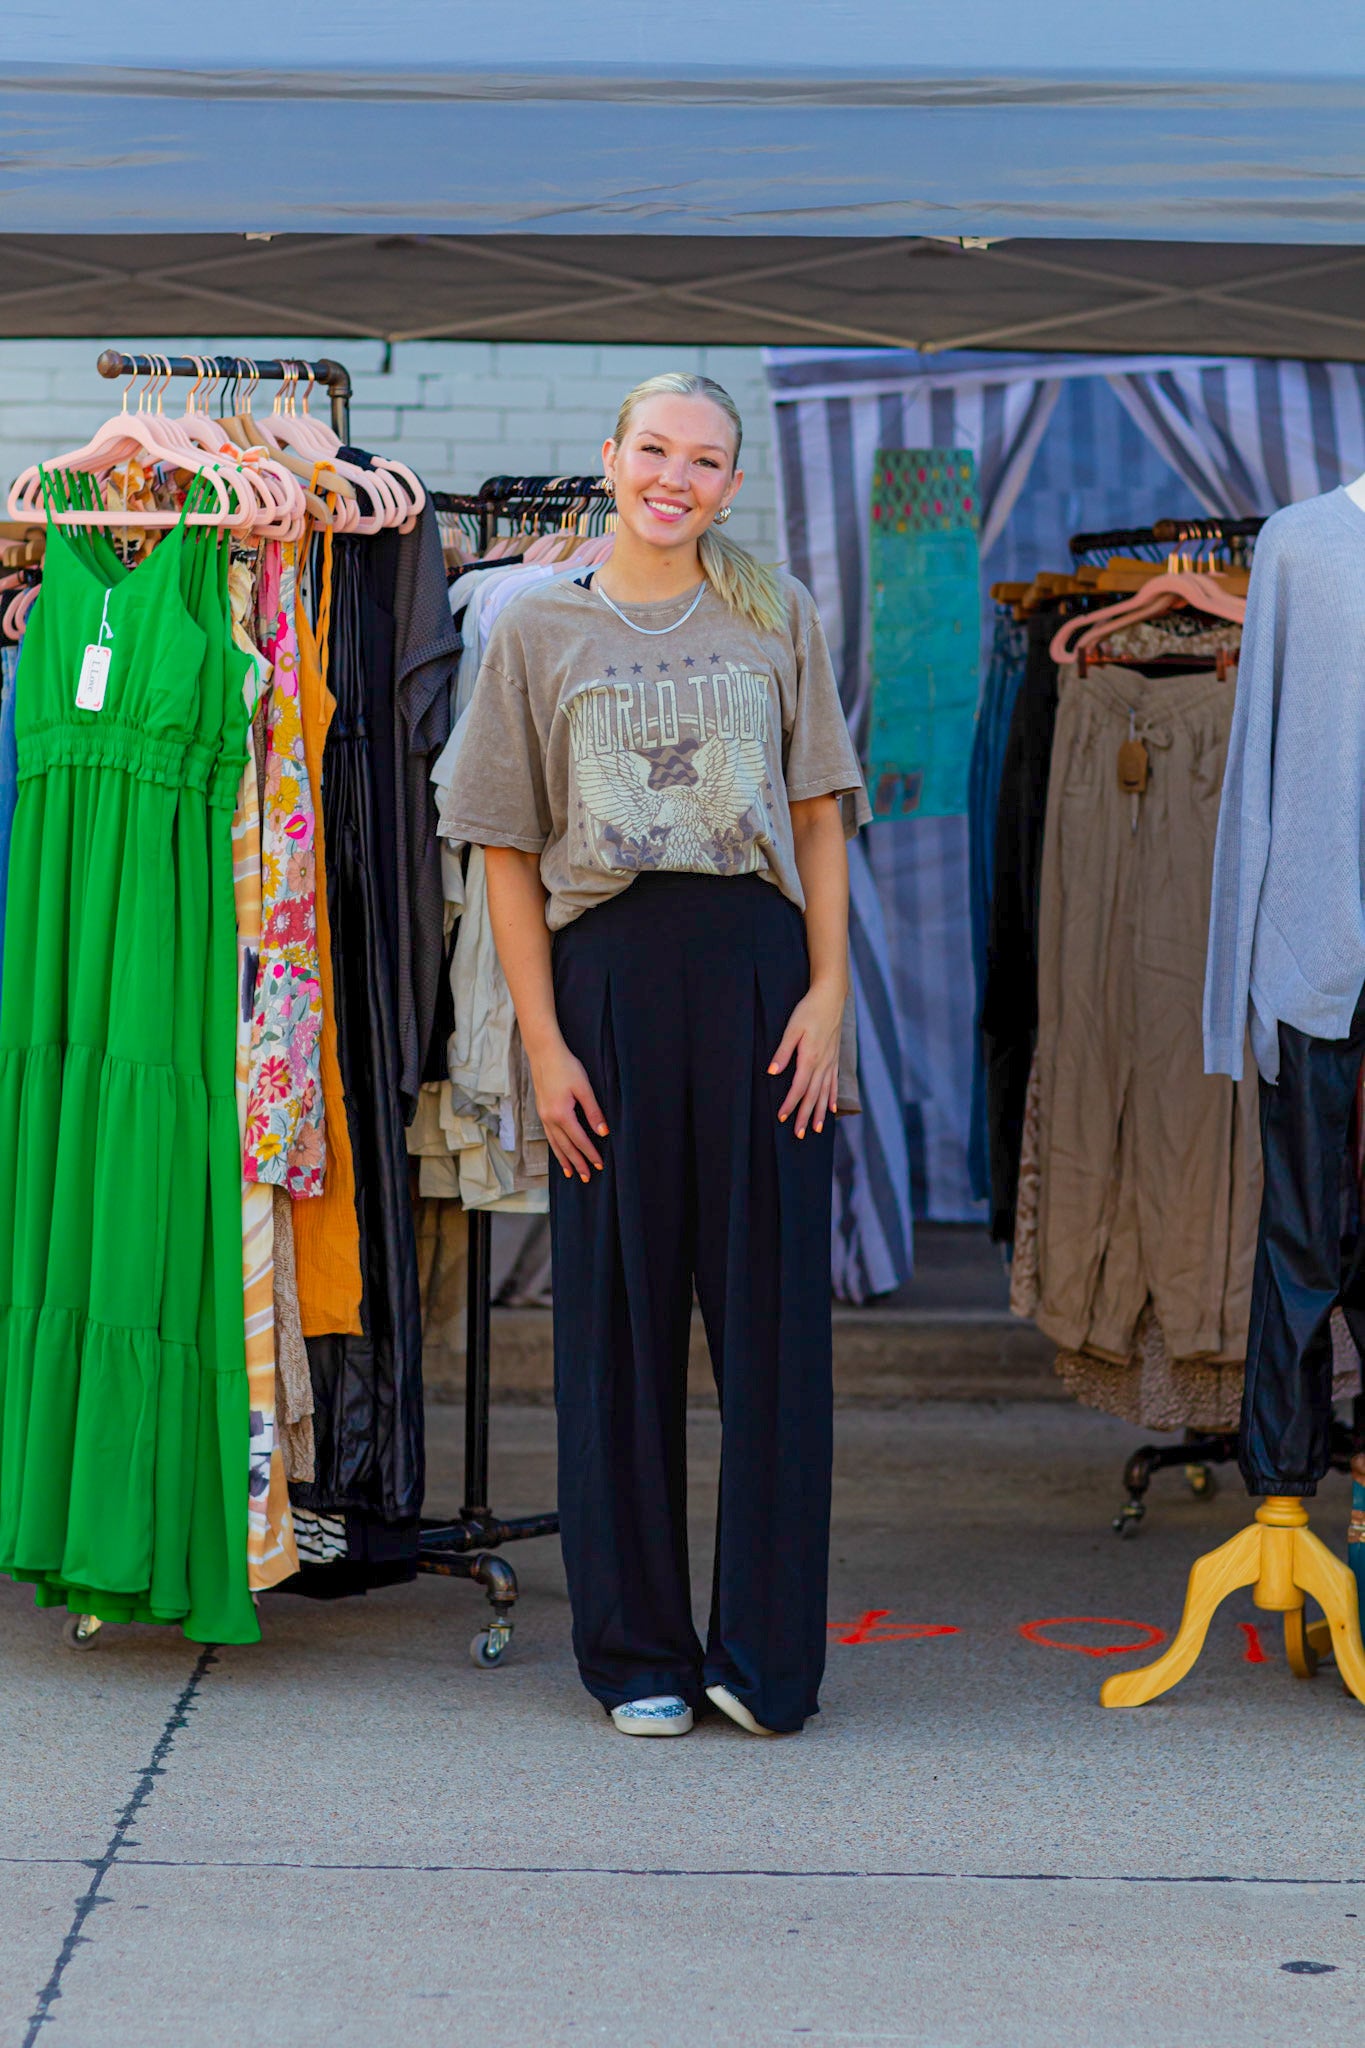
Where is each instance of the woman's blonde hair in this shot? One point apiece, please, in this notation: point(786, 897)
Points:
point(747, 586)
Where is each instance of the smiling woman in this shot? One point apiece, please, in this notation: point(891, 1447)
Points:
point(657, 763)
point(673, 493)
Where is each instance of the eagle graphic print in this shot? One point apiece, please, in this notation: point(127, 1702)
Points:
point(671, 771)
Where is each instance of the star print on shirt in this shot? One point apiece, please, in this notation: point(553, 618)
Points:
point(688, 662)
point(663, 668)
point(611, 671)
point(637, 668)
point(715, 657)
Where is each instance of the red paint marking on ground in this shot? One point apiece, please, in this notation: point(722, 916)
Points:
point(867, 1629)
point(1254, 1654)
point(1146, 1633)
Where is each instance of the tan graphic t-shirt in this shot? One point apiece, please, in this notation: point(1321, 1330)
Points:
point(613, 753)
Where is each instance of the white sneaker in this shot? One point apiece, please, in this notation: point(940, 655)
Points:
point(662, 1714)
point(722, 1697)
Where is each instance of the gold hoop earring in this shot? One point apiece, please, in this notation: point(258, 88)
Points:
point(609, 486)
point(722, 515)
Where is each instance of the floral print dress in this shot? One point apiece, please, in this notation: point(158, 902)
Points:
point(285, 1139)
point(271, 1551)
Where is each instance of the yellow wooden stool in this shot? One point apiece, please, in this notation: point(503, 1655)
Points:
point(1283, 1562)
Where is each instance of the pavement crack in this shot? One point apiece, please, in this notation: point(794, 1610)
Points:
point(689, 1871)
point(99, 1868)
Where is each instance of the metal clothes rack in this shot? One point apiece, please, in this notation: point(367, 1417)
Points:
point(1199, 1450)
point(334, 377)
point(461, 1545)
point(1167, 534)
point(522, 499)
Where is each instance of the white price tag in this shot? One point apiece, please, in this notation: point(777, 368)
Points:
point(94, 678)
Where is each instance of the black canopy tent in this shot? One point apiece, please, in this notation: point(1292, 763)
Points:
point(930, 293)
point(823, 171)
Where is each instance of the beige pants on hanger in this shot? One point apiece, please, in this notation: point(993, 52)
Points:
point(1150, 1169)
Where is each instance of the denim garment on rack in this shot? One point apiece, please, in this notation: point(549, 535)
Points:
point(9, 771)
point(1004, 674)
point(1008, 1007)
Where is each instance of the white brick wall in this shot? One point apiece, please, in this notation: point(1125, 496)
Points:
point(457, 411)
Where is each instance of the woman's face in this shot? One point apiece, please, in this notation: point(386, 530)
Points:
point(674, 470)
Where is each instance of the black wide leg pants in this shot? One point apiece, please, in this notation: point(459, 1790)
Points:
point(674, 994)
point(1305, 1264)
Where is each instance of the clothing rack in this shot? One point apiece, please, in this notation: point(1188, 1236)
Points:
point(1165, 535)
point(1199, 1449)
point(334, 377)
point(1148, 550)
point(461, 1546)
point(523, 497)
point(458, 1546)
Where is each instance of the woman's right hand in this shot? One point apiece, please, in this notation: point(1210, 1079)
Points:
point(562, 1089)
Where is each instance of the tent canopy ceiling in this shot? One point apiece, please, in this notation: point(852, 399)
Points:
point(1124, 297)
point(1234, 120)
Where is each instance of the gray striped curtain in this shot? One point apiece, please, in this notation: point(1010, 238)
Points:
point(909, 923)
point(826, 447)
point(1251, 436)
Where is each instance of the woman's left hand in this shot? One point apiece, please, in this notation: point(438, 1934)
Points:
point(812, 1035)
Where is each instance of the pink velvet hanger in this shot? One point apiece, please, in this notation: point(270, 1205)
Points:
point(131, 434)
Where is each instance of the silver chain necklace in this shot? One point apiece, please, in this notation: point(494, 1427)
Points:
point(653, 632)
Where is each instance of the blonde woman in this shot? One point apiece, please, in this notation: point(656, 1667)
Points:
point(659, 768)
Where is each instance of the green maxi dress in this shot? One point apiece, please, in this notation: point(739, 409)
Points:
point(123, 1398)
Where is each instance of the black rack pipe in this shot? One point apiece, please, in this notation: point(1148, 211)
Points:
point(1165, 533)
point(334, 377)
point(506, 496)
point(478, 1353)
point(506, 490)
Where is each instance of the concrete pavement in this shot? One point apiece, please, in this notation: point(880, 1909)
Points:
point(352, 1837)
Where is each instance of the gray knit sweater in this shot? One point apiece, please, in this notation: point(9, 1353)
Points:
point(1287, 921)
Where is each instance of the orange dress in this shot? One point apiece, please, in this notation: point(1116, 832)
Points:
point(326, 1229)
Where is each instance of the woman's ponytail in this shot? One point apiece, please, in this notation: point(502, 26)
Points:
point(747, 586)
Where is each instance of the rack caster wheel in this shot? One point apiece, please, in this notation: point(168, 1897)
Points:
point(1128, 1520)
point(489, 1646)
point(82, 1631)
point(1201, 1482)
